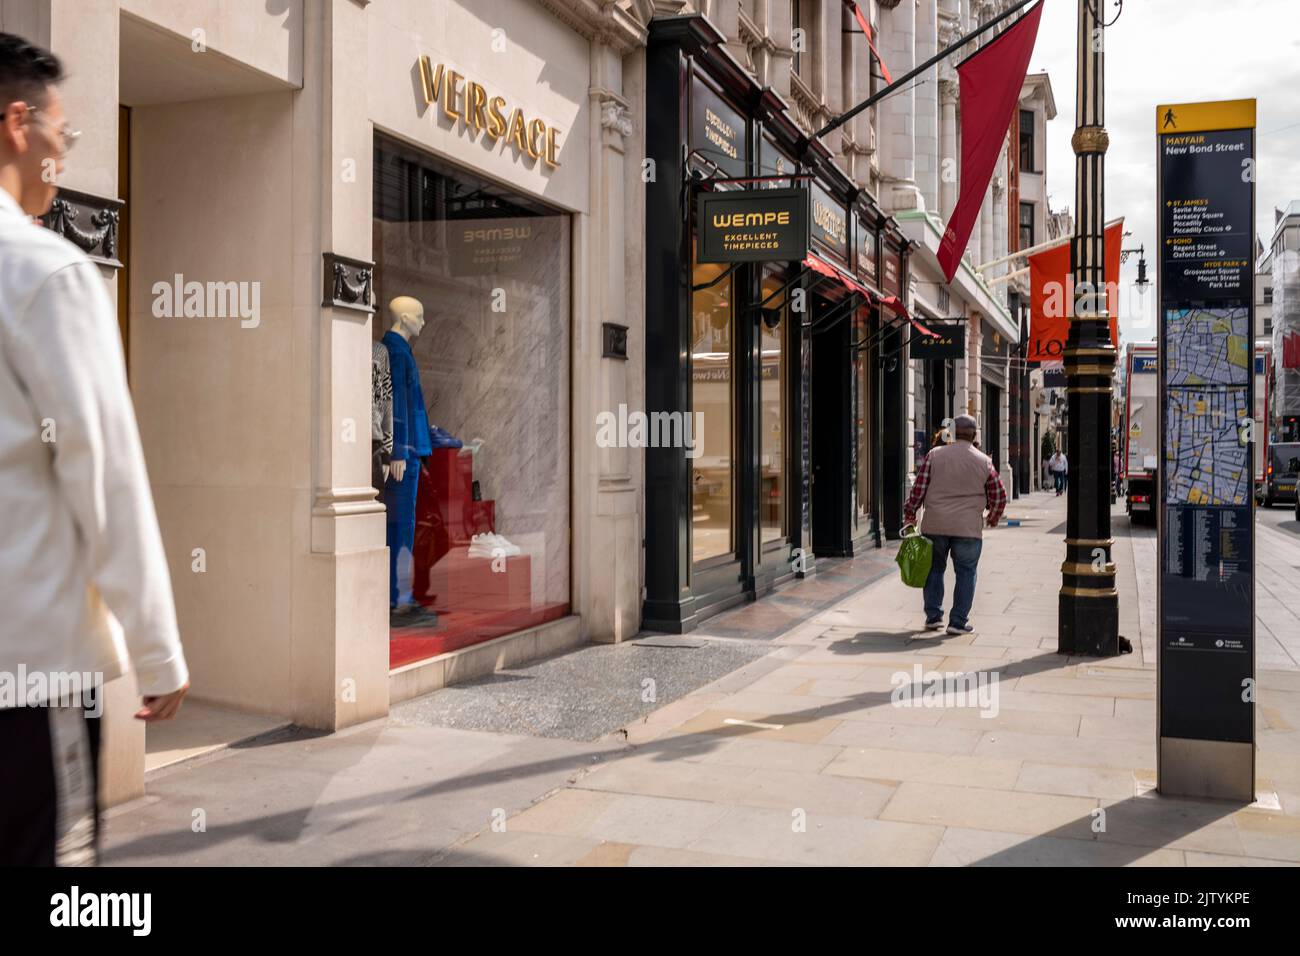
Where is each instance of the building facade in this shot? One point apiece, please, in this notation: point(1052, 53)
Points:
point(466, 229)
point(267, 189)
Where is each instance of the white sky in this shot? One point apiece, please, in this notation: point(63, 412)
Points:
point(1175, 51)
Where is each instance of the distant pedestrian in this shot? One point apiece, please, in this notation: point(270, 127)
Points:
point(81, 546)
point(1059, 468)
point(956, 485)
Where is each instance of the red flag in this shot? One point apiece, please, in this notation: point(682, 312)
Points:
point(1051, 296)
point(866, 29)
point(1291, 350)
point(990, 92)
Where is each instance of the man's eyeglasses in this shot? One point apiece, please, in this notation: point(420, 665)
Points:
point(67, 134)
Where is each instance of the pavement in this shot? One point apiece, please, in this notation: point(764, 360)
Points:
point(773, 736)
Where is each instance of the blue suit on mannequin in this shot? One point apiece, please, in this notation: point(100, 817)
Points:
point(410, 441)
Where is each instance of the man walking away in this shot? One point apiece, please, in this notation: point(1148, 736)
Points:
point(1058, 466)
point(956, 484)
point(81, 555)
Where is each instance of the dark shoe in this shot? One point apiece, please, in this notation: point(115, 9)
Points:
point(412, 615)
point(955, 629)
point(934, 625)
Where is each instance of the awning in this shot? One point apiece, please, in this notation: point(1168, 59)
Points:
point(895, 305)
point(892, 302)
point(822, 267)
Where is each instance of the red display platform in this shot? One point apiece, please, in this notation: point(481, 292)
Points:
point(446, 514)
point(459, 629)
point(474, 602)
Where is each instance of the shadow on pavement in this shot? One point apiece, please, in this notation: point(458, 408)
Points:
point(1132, 828)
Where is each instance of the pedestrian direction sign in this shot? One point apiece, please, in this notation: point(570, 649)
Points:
point(1206, 633)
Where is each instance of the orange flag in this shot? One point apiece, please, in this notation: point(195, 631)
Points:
point(1051, 296)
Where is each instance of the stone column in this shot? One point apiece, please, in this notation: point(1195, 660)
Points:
point(949, 157)
point(927, 105)
point(608, 480)
point(898, 112)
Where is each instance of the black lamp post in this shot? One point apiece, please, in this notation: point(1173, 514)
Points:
point(1088, 620)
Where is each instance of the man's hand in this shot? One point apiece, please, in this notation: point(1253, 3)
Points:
point(992, 522)
point(164, 707)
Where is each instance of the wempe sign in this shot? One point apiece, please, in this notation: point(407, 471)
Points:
point(753, 225)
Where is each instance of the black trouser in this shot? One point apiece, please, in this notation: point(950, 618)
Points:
point(49, 804)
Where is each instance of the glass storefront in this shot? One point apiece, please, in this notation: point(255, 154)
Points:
point(711, 389)
point(772, 390)
point(471, 365)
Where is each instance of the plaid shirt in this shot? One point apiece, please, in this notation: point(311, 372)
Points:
point(995, 494)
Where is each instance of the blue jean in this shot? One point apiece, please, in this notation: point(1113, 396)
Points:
point(399, 499)
point(965, 557)
point(1059, 478)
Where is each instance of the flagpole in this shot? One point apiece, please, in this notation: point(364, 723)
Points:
point(894, 87)
point(1088, 618)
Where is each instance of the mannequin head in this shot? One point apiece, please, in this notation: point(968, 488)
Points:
point(407, 315)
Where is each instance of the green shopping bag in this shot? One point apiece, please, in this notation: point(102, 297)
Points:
point(914, 557)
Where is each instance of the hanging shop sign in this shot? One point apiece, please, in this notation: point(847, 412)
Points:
point(1207, 580)
point(753, 225)
point(867, 245)
point(773, 162)
point(892, 271)
point(948, 342)
point(830, 223)
point(473, 106)
point(718, 132)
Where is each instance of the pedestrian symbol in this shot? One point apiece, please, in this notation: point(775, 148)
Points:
point(1169, 120)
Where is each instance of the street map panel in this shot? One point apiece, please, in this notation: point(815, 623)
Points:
point(1205, 460)
point(1207, 347)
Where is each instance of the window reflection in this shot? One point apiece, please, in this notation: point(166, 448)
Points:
point(711, 363)
point(772, 490)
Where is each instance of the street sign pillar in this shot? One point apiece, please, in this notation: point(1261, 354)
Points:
point(1205, 686)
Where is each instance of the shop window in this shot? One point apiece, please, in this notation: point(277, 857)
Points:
point(864, 381)
point(479, 527)
point(1026, 225)
point(712, 477)
point(772, 386)
point(1027, 141)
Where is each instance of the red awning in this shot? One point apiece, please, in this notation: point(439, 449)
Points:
point(821, 266)
point(895, 305)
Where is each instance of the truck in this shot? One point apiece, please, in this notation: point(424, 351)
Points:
point(1263, 409)
point(1141, 437)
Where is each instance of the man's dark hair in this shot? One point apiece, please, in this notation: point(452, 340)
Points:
point(26, 70)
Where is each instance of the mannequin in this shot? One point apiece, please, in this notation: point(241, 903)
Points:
point(381, 415)
point(410, 444)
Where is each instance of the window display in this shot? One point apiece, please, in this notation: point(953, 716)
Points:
point(477, 478)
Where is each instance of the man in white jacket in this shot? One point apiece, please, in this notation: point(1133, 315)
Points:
point(84, 587)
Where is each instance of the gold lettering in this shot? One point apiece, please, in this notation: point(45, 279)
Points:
point(552, 147)
point(517, 134)
point(535, 129)
point(475, 98)
point(496, 119)
point(449, 95)
point(430, 80)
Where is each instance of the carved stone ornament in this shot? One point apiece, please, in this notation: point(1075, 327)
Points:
point(616, 116)
point(1090, 139)
point(613, 340)
point(89, 222)
point(348, 283)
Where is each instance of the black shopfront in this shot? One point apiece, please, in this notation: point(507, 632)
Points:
point(778, 362)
